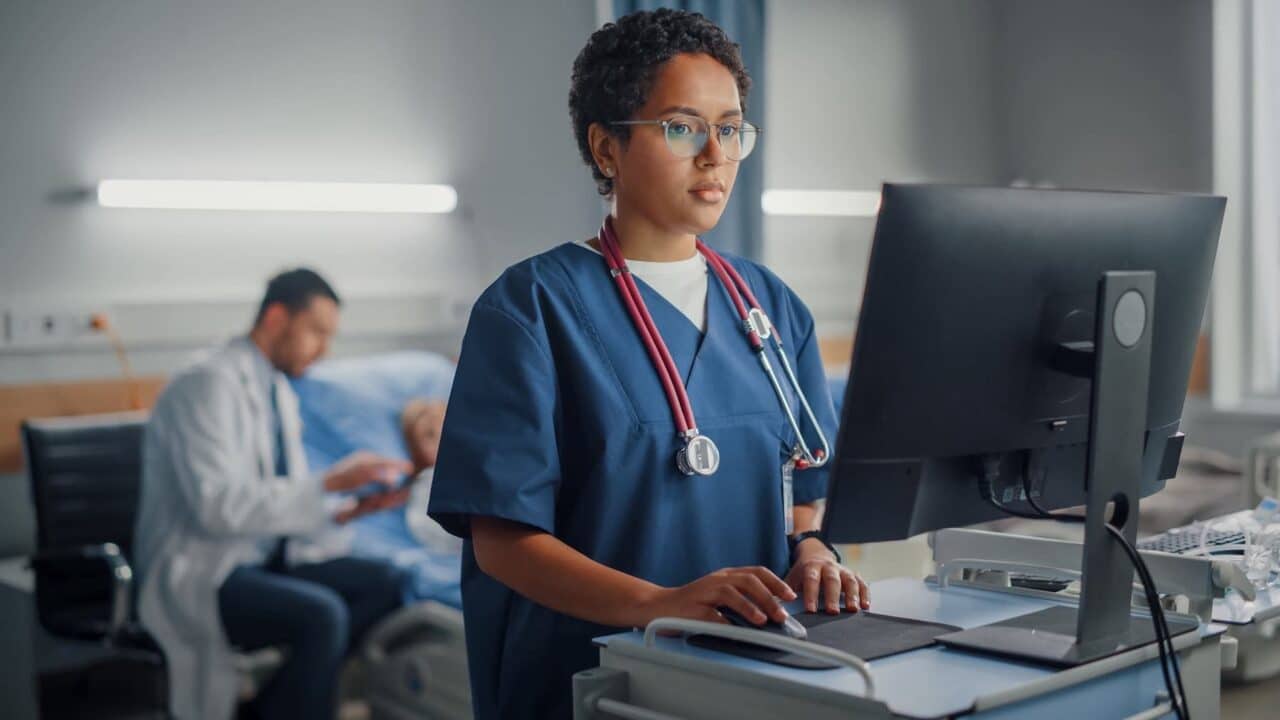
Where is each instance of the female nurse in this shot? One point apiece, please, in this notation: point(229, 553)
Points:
point(558, 462)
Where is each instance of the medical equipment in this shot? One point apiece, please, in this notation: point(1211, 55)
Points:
point(416, 665)
point(700, 456)
point(1183, 541)
point(654, 675)
point(1262, 470)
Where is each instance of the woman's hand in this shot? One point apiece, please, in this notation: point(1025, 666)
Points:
point(750, 591)
point(817, 572)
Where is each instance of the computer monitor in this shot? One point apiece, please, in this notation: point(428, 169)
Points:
point(974, 360)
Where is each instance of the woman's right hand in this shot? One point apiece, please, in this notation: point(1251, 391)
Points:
point(751, 591)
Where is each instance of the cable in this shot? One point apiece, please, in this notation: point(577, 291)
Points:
point(1161, 624)
point(1164, 642)
point(1164, 639)
point(100, 323)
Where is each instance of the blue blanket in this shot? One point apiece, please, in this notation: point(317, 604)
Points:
point(351, 404)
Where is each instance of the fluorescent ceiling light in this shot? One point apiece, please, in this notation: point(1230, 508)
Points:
point(285, 196)
point(850, 203)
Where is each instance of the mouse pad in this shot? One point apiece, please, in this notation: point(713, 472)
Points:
point(866, 635)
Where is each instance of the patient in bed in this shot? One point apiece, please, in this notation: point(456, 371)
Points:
point(420, 423)
point(393, 404)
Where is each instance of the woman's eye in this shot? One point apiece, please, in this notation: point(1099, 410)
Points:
point(681, 128)
point(728, 131)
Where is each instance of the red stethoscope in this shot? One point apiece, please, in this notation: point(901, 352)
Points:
point(700, 456)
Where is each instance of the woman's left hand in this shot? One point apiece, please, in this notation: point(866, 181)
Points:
point(817, 572)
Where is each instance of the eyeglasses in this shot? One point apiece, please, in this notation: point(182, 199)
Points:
point(687, 135)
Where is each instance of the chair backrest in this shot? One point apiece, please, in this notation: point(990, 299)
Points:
point(85, 474)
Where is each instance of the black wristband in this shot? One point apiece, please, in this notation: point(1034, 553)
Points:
point(794, 541)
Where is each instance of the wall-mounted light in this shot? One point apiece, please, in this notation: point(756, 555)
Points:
point(279, 196)
point(849, 203)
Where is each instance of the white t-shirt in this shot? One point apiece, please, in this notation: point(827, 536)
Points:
point(683, 283)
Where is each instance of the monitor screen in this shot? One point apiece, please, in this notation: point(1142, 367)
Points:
point(971, 294)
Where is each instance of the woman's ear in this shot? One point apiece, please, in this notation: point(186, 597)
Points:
point(604, 149)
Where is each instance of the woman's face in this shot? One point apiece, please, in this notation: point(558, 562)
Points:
point(680, 194)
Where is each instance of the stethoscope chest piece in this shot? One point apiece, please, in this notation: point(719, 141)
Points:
point(699, 456)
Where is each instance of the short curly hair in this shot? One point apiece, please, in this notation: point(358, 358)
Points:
point(613, 74)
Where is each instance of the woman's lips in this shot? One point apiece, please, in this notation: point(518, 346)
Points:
point(708, 192)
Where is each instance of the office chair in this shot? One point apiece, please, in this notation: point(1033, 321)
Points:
point(85, 477)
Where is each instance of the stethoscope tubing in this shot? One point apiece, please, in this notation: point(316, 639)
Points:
point(737, 288)
point(677, 396)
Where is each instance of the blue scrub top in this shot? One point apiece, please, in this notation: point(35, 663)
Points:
point(558, 420)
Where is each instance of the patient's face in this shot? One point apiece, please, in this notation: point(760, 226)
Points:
point(423, 435)
point(305, 337)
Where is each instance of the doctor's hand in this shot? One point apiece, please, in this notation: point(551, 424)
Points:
point(371, 504)
point(750, 591)
point(816, 572)
point(361, 468)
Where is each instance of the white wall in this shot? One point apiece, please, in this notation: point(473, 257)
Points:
point(472, 94)
point(1089, 93)
point(1104, 94)
point(861, 93)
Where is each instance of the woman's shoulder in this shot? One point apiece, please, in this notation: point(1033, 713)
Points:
point(524, 289)
point(763, 281)
point(772, 291)
point(755, 272)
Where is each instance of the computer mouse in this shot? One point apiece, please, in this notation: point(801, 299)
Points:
point(791, 627)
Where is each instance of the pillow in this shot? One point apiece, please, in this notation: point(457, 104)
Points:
point(354, 403)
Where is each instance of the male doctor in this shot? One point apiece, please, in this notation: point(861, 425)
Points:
point(224, 484)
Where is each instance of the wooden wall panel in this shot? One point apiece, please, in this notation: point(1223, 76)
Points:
point(19, 402)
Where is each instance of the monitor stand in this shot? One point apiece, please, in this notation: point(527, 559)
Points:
point(1103, 625)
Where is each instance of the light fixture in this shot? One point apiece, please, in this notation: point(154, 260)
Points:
point(279, 196)
point(849, 203)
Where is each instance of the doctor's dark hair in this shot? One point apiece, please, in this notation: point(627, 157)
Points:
point(614, 73)
point(295, 289)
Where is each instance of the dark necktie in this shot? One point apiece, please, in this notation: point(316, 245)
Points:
point(276, 560)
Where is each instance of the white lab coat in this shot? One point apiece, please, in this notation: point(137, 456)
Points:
point(210, 501)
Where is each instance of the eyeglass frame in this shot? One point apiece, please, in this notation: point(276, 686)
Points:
point(664, 124)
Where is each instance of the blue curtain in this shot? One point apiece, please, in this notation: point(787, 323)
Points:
point(741, 229)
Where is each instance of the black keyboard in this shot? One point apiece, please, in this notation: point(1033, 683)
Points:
point(1182, 542)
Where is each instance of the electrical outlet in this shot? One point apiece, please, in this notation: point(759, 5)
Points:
point(48, 328)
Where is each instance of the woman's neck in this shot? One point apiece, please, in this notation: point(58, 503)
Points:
point(641, 240)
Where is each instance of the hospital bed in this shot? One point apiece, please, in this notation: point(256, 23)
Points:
point(415, 660)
